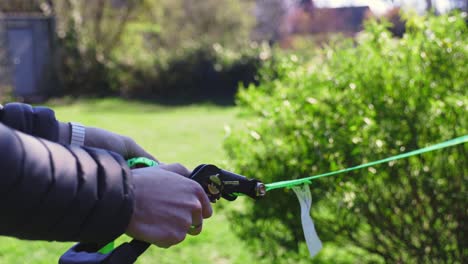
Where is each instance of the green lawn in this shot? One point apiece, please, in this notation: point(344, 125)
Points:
point(190, 135)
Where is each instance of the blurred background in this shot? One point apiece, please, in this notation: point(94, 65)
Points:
point(170, 51)
point(272, 89)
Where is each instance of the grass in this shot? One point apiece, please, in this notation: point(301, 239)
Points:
point(190, 135)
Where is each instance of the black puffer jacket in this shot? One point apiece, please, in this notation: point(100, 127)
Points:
point(53, 192)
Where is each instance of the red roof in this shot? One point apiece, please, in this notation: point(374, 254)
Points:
point(326, 20)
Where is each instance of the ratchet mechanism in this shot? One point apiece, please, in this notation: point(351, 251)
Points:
point(219, 183)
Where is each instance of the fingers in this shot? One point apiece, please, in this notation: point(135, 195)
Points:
point(135, 150)
point(195, 230)
point(207, 210)
point(176, 168)
point(159, 216)
point(168, 239)
point(202, 207)
point(197, 221)
point(202, 210)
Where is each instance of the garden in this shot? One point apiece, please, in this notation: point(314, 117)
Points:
point(281, 114)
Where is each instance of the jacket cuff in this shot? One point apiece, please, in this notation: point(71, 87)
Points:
point(113, 210)
point(36, 121)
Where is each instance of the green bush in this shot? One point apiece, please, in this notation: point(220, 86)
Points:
point(169, 50)
point(81, 72)
point(87, 34)
point(202, 72)
point(355, 103)
point(183, 51)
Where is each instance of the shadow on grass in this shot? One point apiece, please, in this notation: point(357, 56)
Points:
point(125, 105)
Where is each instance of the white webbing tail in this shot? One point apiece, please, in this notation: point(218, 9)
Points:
point(305, 199)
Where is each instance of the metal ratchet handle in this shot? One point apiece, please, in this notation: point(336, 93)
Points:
point(219, 183)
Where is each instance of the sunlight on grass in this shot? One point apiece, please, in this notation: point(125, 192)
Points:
point(190, 135)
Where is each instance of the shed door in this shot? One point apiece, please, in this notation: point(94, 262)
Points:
point(20, 45)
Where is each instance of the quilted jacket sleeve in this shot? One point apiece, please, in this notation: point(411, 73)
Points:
point(36, 121)
point(54, 192)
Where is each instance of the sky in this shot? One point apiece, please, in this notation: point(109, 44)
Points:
point(380, 6)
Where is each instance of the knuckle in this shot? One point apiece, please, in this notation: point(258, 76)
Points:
point(181, 169)
point(197, 189)
point(196, 231)
point(173, 238)
point(186, 224)
point(165, 241)
point(180, 237)
point(177, 165)
point(128, 141)
point(163, 244)
point(126, 138)
point(196, 206)
point(166, 237)
point(209, 212)
point(176, 168)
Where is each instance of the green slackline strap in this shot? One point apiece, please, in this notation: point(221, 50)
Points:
point(107, 248)
point(290, 183)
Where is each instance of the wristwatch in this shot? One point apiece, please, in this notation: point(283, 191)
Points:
point(77, 134)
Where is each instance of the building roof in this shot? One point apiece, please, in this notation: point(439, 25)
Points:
point(326, 20)
point(342, 19)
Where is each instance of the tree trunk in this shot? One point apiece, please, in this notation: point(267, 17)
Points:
point(428, 5)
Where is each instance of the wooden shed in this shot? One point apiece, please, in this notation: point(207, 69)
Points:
point(27, 54)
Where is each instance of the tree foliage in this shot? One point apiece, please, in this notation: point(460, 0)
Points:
point(182, 23)
point(188, 50)
point(88, 33)
point(151, 49)
point(357, 103)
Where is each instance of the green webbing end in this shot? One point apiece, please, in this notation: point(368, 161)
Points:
point(107, 248)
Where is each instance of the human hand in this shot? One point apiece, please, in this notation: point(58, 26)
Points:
point(168, 206)
point(100, 138)
point(176, 168)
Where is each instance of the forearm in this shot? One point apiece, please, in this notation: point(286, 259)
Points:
point(54, 192)
point(41, 122)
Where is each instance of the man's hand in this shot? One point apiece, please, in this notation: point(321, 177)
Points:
point(168, 206)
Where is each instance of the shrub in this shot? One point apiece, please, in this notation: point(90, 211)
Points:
point(353, 104)
point(201, 72)
point(397, 27)
point(162, 50)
